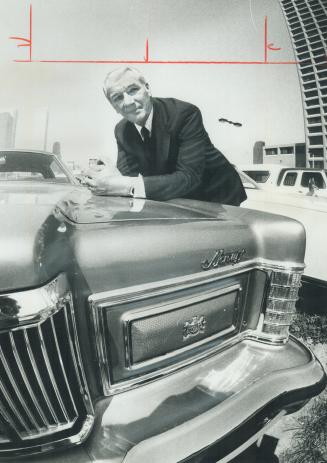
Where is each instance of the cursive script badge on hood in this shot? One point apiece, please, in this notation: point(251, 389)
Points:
point(221, 258)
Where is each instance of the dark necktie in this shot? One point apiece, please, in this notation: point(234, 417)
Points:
point(145, 135)
point(148, 151)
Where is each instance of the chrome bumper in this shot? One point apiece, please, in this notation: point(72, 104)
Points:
point(220, 406)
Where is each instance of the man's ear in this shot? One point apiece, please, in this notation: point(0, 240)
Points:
point(106, 95)
point(147, 86)
point(109, 100)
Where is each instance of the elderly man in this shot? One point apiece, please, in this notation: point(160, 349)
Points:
point(164, 151)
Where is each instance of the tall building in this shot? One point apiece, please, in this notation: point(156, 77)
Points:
point(7, 130)
point(307, 24)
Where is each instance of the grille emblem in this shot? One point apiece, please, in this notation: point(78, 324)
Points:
point(194, 327)
point(221, 258)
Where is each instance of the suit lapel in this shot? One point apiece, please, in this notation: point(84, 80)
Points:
point(135, 145)
point(162, 136)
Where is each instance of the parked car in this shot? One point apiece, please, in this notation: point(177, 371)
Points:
point(139, 331)
point(307, 181)
point(31, 166)
point(312, 213)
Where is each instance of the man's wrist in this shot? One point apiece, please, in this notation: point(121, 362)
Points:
point(139, 189)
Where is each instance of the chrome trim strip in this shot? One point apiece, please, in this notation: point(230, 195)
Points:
point(137, 292)
point(77, 359)
point(149, 290)
point(39, 377)
point(101, 348)
point(58, 445)
point(45, 299)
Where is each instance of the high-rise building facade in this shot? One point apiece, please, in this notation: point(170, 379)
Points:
point(307, 23)
point(7, 130)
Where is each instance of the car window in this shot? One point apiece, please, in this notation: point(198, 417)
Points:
point(247, 181)
point(59, 174)
point(258, 176)
point(290, 179)
point(31, 166)
point(317, 178)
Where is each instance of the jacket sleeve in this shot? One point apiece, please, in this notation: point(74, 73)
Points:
point(190, 162)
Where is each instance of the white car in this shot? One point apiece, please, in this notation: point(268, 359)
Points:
point(307, 181)
point(311, 211)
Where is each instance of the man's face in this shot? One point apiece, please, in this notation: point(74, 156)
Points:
point(130, 97)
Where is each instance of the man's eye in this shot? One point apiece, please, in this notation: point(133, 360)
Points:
point(133, 90)
point(117, 98)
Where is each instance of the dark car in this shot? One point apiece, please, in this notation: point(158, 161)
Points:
point(139, 331)
point(27, 166)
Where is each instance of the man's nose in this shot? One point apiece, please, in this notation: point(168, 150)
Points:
point(128, 99)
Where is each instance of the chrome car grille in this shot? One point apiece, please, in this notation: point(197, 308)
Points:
point(43, 395)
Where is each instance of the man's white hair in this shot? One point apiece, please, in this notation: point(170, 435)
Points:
point(117, 73)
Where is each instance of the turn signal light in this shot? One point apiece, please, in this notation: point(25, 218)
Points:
point(280, 305)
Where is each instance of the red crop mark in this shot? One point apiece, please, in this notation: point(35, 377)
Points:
point(268, 46)
point(146, 58)
point(265, 40)
point(28, 41)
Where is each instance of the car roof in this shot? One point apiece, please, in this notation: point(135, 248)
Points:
point(11, 150)
point(259, 166)
point(277, 167)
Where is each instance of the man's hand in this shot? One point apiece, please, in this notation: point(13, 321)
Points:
point(113, 185)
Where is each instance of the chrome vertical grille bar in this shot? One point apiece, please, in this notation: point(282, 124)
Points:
point(13, 409)
point(39, 377)
point(62, 365)
point(8, 420)
point(14, 383)
point(75, 348)
point(51, 374)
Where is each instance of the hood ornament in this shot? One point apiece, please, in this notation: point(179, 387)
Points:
point(221, 258)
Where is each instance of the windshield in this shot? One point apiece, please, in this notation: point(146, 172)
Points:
point(248, 183)
point(30, 166)
point(259, 176)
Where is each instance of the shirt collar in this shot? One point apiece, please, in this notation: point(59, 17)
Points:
point(148, 123)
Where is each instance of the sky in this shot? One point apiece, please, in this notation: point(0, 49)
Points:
point(264, 98)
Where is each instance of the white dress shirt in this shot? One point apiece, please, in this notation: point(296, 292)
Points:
point(137, 182)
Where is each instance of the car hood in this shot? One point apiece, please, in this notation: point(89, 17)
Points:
point(114, 242)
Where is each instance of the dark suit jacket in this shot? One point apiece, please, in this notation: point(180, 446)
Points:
point(185, 163)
